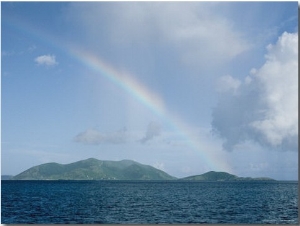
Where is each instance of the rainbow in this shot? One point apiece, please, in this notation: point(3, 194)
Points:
point(154, 103)
point(134, 88)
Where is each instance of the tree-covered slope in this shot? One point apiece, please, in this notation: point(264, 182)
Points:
point(93, 169)
point(222, 176)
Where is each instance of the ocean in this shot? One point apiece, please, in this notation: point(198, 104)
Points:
point(148, 202)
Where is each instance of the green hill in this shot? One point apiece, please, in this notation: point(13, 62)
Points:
point(222, 176)
point(93, 169)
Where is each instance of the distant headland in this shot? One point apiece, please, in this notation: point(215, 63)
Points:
point(94, 169)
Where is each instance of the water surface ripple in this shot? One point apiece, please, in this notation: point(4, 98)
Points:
point(137, 202)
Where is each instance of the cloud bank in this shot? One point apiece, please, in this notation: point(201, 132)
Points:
point(48, 60)
point(196, 30)
point(94, 137)
point(264, 107)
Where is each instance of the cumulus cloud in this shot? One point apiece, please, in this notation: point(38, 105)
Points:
point(48, 60)
point(153, 129)
point(197, 30)
point(227, 83)
point(94, 137)
point(264, 107)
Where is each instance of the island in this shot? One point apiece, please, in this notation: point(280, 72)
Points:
point(94, 169)
point(223, 176)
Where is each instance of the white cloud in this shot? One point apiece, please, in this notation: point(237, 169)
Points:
point(266, 107)
point(94, 137)
point(48, 60)
point(196, 30)
point(227, 83)
point(279, 76)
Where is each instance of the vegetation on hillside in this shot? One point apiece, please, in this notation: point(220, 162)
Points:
point(94, 169)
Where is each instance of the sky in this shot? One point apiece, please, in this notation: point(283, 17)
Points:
point(186, 87)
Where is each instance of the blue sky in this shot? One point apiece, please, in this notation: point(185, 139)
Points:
point(184, 87)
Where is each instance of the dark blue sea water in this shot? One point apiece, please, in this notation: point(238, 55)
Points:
point(149, 202)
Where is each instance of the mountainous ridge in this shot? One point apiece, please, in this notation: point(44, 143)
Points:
point(94, 169)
